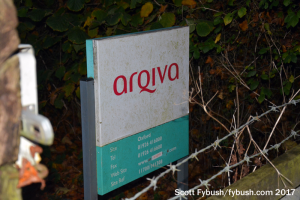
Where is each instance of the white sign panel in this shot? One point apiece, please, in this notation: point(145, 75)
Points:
point(141, 81)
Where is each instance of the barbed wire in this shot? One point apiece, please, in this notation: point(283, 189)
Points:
point(215, 145)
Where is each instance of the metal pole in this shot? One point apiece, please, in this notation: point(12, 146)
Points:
point(182, 175)
point(88, 139)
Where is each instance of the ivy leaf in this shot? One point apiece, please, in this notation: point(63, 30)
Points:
point(93, 32)
point(242, 11)
point(177, 2)
point(66, 46)
point(291, 79)
point(248, 2)
point(230, 3)
point(264, 77)
point(28, 3)
point(82, 68)
point(67, 75)
point(196, 54)
point(125, 5)
point(156, 25)
point(50, 41)
point(267, 27)
point(38, 14)
point(75, 77)
point(263, 51)
point(204, 28)
point(136, 20)
point(291, 19)
point(74, 20)
point(26, 26)
point(228, 18)
point(218, 29)
point(134, 2)
point(88, 22)
point(275, 3)
point(58, 103)
point(207, 45)
point(266, 91)
point(167, 19)
point(22, 12)
point(69, 89)
point(113, 19)
point(251, 73)
point(287, 88)
point(286, 2)
point(147, 8)
point(99, 14)
point(60, 72)
point(253, 84)
point(192, 24)
point(109, 31)
point(218, 20)
point(78, 47)
point(231, 88)
point(58, 23)
point(77, 36)
point(75, 5)
point(125, 19)
point(261, 98)
point(151, 18)
point(263, 93)
point(108, 3)
point(218, 38)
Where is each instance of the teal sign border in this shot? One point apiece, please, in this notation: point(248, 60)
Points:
point(123, 161)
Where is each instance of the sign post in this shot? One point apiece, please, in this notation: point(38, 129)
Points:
point(88, 139)
point(139, 106)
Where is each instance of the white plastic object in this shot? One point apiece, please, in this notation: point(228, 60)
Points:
point(24, 152)
point(28, 80)
point(37, 128)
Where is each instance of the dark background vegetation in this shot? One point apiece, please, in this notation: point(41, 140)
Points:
point(246, 52)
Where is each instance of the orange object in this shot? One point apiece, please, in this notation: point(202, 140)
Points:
point(29, 175)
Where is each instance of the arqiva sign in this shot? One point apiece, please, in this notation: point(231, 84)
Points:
point(141, 103)
point(148, 78)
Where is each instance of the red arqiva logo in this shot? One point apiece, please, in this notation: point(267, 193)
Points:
point(144, 87)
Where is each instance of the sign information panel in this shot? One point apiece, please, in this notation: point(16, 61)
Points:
point(141, 103)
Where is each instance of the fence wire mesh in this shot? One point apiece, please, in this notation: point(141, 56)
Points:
point(215, 145)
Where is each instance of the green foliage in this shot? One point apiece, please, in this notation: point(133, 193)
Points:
point(167, 19)
point(75, 5)
point(58, 23)
point(242, 12)
point(77, 35)
point(251, 73)
point(237, 29)
point(292, 19)
point(228, 18)
point(37, 14)
point(204, 28)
